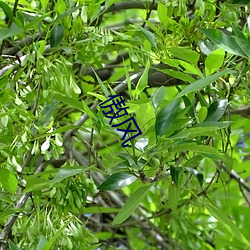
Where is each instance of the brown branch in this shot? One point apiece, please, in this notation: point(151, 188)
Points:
point(235, 176)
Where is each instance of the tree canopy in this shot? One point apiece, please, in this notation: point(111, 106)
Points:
point(124, 124)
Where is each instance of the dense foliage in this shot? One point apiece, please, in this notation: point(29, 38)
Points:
point(71, 178)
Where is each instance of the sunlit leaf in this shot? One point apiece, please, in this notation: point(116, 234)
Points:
point(214, 61)
point(173, 196)
point(143, 81)
point(8, 180)
point(223, 41)
point(117, 181)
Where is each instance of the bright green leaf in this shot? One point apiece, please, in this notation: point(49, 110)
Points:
point(173, 196)
point(214, 61)
point(186, 54)
point(143, 81)
point(8, 180)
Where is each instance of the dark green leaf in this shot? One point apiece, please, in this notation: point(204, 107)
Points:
point(219, 125)
point(132, 203)
point(56, 35)
point(117, 181)
point(245, 2)
point(216, 110)
point(198, 175)
point(198, 85)
point(7, 10)
point(166, 117)
point(8, 180)
point(174, 172)
point(9, 32)
point(223, 41)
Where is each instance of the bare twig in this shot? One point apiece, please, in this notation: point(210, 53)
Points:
point(235, 176)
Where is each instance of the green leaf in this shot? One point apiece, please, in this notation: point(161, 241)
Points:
point(193, 132)
point(56, 35)
point(173, 196)
point(227, 223)
point(177, 74)
point(216, 110)
point(147, 35)
point(174, 172)
point(143, 81)
point(9, 32)
point(104, 89)
point(4, 215)
point(202, 114)
point(34, 183)
point(245, 2)
point(186, 54)
point(117, 181)
point(158, 97)
point(162, 12)
point(13, 246)
point(197, 85)
point(166, 117)
point(198, 175)
point(218, 125)
point(66, 172)
point(214, 61)
point(7, 10)
point(70, 101)
point(98, 210)
point(49, 244)
point(8, 180)
point(41, 243)
point(132, 203)
point(223, 41)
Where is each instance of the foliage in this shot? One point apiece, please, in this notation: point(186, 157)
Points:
point(66, 180)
